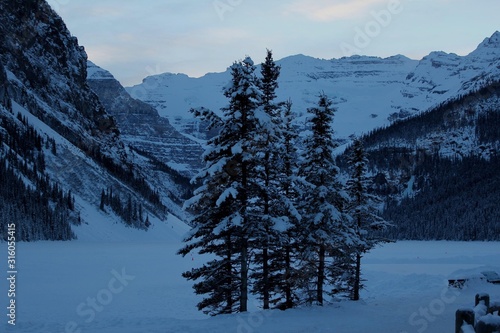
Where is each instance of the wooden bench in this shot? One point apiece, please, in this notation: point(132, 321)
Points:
point(483, 318)
point(488, 276)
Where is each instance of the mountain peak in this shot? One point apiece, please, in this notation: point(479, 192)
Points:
point(441, 56)
point(489, 49)
point(95, 72)
point(298, 58)
point(398, 57)
point(491, 42)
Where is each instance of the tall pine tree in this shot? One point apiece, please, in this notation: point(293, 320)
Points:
point(224, 220)
point(284, 279)
point(264, 177)
point(325, 226)
point(271, 205)
point(364, 209)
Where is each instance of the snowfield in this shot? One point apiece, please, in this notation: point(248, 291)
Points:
point(120, 280)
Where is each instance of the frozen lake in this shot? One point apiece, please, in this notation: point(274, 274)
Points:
point(136, 286)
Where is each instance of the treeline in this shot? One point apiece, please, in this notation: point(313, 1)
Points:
point(488, 126)
point(129, 210)
point(458, 202)
point(39, 207)
point(184, 189)
point(125, 172)
point(428, 196)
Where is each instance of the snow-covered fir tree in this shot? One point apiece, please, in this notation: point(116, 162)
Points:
point(324, 229)
point(271, 204)
point(364, 208)
point(279, 226)
point(265, 177)
point(283, 262)
point(224, 204)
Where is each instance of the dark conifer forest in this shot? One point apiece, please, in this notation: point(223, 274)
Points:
point(39, 207)
point(445, 187)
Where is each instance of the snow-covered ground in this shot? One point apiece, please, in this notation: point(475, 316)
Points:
point(124, 281)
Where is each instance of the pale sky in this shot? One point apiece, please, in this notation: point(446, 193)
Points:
point(134, 39)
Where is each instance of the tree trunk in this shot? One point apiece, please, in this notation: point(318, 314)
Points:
point(245, 224)
point(357, 278)
point(265, 278)
point(321, 274)
point(244, 276)
point(357, 273)
point(229, 269)
point(265, 252)
point(288, 287)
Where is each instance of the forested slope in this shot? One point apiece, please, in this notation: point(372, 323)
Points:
point(439, 171)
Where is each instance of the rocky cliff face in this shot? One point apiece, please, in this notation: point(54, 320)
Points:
point(140, 125)
point(46, 70)
point(57, 138)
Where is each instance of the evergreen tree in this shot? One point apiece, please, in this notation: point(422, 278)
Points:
point(270, 206)
point(54, 147)
point(268, 84)
point(363, 207)
point(284, 280)
point(128, 210)
point(141, 219)
point(70, 201)
point(264, 178)
point(324, 228)
point(41, 210)
point(224, 220)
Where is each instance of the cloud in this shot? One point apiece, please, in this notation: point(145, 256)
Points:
point(325, 10)
point(134, 39)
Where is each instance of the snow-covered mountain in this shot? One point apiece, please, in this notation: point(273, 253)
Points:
point(63, 158)
point(70, 132)
point(369, 92)
point(441, 75)
point(140, 125)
